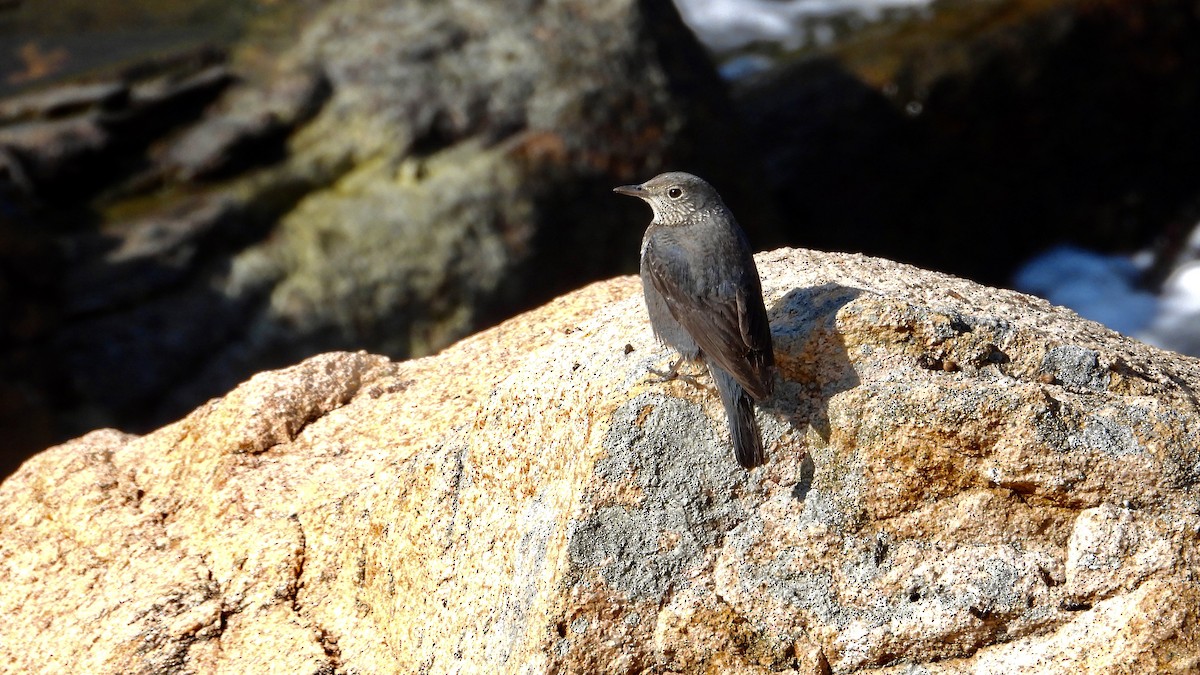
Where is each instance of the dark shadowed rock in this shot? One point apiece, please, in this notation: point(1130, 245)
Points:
point(251, 128)
point(65, 100)
point(990, 131)
point(65, 145)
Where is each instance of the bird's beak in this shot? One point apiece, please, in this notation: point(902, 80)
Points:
point(630, 190)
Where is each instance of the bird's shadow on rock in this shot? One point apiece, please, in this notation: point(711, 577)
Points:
point(812, 360)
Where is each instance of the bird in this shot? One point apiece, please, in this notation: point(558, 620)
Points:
point(704, 298)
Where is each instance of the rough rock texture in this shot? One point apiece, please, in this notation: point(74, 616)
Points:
point(960, 479)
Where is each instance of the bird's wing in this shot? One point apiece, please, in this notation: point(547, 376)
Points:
point(729, 325)
point(756, 330)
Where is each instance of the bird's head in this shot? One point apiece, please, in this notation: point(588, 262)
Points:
point(674, 196)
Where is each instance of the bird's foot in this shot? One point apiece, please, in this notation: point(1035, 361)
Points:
point(672, 373)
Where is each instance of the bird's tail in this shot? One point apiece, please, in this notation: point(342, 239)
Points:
point(739, 411)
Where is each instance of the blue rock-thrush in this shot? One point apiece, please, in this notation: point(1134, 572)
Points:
point(705, 299)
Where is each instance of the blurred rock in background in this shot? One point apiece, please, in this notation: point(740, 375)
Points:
point(969, 141)
point(400, 176)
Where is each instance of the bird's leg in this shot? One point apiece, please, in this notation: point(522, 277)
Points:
point(672, 373)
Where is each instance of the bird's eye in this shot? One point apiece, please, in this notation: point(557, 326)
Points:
point(675, 193)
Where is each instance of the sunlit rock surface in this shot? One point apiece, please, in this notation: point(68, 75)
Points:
point(959, 479)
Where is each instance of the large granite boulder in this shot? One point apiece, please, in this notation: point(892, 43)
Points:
point(959, 479)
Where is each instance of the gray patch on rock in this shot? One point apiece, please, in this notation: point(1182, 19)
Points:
point(1181, 466)
point(1109, 436)
point(786, 579)
point(824, 508)
point(993, 590)
point(1076, 368)
point(1051, 427)
point(538, 521)
point(996, 591)
point(789, 577)
point(688, 480)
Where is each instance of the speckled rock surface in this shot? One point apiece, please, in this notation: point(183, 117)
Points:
point(960, 479)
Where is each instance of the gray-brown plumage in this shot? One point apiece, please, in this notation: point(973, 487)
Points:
point(705, 298)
